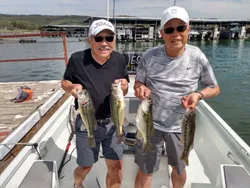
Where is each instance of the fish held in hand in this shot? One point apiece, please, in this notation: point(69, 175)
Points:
point(87, 112)
point(117, 105)
point(144, 124)
point(188, 132)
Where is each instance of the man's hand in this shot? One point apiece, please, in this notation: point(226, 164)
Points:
point(190, 101)
point(75, 88)
point(124, 84)
point(142, 92)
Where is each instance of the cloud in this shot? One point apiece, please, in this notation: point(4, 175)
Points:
point(226, 9)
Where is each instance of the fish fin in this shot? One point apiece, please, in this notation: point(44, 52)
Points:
point(152, 130)
point(82, 128)
point(91, 141)
point(137, 118)
point(185, 159)
point(192, 146)
point(138, 135)
point(121, 104)
point(182, 139)
point(112, 121)
point(120, 139)
point(125, 122)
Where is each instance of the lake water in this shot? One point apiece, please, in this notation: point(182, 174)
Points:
point(230, 60)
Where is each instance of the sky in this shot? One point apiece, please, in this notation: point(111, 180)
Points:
point(222, 9)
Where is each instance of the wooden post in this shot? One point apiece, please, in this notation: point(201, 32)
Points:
point(65, 48)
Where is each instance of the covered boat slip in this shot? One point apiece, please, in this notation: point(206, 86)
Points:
point(215, 144)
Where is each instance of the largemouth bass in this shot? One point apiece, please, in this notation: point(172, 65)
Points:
point(87, 113)
point(117, 105)
point(144, 124)
point(188, 132)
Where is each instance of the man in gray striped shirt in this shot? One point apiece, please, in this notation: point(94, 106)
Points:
point(170, 74)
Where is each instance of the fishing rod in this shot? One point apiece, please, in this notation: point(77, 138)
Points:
point(72, 132)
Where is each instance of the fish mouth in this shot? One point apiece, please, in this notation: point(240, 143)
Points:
point(84, 102)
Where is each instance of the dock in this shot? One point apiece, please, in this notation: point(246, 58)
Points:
point(13, 114)
point(147, 28)
point(19, 122)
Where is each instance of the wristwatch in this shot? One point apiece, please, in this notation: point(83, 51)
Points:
point(200, 93)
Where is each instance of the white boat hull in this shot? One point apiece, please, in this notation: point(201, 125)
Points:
point(215, 144)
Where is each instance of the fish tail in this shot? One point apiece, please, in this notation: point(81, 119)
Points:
point(185, 159)
point(120, 138)
point(91, 141)
point(82, 128)
point(147, 147)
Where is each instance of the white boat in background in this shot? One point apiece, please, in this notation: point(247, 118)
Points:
point(220, 157)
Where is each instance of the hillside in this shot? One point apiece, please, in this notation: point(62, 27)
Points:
point(34, 22)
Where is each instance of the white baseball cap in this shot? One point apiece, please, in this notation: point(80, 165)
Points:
point(99, 25)
point(174, 12)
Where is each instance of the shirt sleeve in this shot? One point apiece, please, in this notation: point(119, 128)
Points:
point(207, 76)
point(126, 73)
point(125, 69)
point(141, 71)
point(69, 72)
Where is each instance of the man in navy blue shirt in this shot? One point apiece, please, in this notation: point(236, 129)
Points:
point(95, 69)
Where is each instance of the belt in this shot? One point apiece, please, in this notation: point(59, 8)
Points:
point(103, 121)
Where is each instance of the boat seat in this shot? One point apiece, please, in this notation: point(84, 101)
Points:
point(234, 176)
point(42, 174)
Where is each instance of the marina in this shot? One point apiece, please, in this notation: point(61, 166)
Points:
point(37, 141)
point(226, 149)
point(147, 29)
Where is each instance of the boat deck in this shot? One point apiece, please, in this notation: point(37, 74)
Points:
point(210, 152)
point(55, 147)
point(13, 114)
point(196, 178)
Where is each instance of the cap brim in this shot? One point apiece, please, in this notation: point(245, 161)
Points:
point(175, 17)
point(101, 29)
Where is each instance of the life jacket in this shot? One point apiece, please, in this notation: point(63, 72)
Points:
point(24, 94)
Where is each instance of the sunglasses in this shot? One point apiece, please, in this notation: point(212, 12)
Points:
point(107, 38)
point(180, 28)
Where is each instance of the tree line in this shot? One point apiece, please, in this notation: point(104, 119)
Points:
point(35, 22)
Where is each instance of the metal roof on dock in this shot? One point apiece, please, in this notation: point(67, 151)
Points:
point(134, 19)
point(159, 19)
point(65, 26)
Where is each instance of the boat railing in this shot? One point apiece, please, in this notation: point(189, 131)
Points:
point(21, 36)
point(13, 139)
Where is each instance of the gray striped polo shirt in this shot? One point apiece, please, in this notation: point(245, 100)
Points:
point(169, 79)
